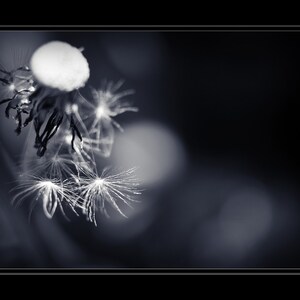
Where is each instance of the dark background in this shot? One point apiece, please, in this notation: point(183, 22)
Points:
point(216, 140)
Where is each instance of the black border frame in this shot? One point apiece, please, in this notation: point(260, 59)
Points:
point(152, 271)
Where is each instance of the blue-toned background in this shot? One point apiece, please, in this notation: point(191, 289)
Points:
point(216, 142)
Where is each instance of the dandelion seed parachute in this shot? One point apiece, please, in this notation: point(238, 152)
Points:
point(107, 103)
point(52, 192)
point(110, 188)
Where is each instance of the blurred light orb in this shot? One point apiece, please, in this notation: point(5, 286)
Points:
point(116, 228)
point(154, 149)
point(244, 220)
point(229, 219)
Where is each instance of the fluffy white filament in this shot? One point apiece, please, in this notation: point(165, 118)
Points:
point(60, 66)
point(108, 103)
point(51, 192)
point(114, 189)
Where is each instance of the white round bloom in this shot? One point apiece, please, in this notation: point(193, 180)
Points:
point(60, 66)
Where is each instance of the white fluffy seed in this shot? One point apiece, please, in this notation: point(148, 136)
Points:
point(60, 66)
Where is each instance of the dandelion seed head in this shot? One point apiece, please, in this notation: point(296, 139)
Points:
point(48, 94)
point(61, 66)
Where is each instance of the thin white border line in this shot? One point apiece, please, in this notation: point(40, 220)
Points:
point(149, 30)
point(123, 25)
point(141, 271)
point(145, 273)
point(3, 269)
